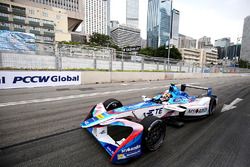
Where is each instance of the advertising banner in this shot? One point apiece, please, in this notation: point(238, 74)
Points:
point(26, 79)
point(18, 41)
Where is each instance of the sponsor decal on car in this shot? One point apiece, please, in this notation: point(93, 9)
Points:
point(151, 112)
point(100, 116)
point(121, 156)
point(131, 149)
point(197, 110)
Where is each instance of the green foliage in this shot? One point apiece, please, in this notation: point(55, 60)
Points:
point(175, 53)
point(147, 51)
point(100, 39)
point(97, 39)
point(244, 64)
point(161, 52)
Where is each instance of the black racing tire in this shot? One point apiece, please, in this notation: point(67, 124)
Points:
point(212, 106)
point(112, 104)
point(90, 115)
point(153, 133)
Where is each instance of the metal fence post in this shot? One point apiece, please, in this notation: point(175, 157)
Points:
point(142, 64)
point(70, 51)
point(110, 62)
point(164, 65)
point(58, 57)
point(157, 66)
point(180, 67)
point(94, 65)
point(1, 60)
point(122, 63)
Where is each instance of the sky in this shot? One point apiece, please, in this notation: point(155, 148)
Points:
point(212, 18)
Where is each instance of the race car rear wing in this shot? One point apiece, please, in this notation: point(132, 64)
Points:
point(209, 90)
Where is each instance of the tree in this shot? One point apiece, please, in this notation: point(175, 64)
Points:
point(175, 53)
point(161, 52)
point(100, 39)
point(97, 39)
point(147, 51)
point(244, 64)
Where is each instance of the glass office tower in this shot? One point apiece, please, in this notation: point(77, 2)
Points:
point(158, 23)
point(132, 13)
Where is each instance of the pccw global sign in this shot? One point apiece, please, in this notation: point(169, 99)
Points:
point(23, 79)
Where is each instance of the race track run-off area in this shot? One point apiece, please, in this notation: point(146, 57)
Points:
point(41, 126)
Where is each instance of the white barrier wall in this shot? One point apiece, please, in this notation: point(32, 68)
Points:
point(106, 77)
point(132, 66)
point(70, 62)
point(27, 61)
point(23, 79)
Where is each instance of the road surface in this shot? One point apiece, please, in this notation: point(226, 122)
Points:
point(40, 126)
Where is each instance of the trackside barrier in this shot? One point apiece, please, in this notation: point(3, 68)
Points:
point(26, 79)
point(90, 77)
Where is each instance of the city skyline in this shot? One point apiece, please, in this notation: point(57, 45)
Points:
point(215, 19)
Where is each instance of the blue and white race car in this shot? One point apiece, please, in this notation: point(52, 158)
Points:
point(125, 131)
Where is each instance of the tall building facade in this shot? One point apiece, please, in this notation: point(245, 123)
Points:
point(48, 26)
point(199, 57)
point(125, 35)
point(227, 50)
point(132, 13)
point(175, 27)
point(158, 22)
point(96, 16)
point(245, 43)
point(233, 52)
point(186, 42)
point(223, 42)
point(204, 42)
point(73, 9)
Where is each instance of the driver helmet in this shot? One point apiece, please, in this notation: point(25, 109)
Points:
point(167, 95)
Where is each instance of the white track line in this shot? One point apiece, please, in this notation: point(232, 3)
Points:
point(75, 96)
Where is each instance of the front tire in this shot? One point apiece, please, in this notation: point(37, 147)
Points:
point(153, 134)
point(90, 115)
point(112, 104)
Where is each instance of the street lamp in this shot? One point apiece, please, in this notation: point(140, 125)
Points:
point(171, 1)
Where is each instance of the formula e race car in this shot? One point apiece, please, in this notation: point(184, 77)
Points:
point(125, 131)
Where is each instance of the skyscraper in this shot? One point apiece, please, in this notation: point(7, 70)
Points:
point(175, 27)
point(223, 42)
point(204, 42)
point(96, 16)
point(222, 46)
point(245, 50)
point(158, 22)
point(132, 13)
point(186, 42)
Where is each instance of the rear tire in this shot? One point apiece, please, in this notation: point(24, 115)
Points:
point(153, 133)
point(112, 104)
point(212, 106)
